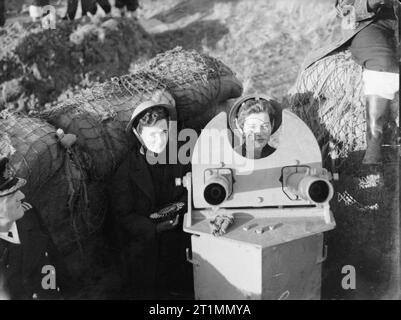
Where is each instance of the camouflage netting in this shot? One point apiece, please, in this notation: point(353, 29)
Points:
point(98, 116)
point(328, 96)
point(197, 82)
point(40, 66)
point(71, 206)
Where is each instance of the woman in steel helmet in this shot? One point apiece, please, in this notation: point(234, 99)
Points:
point(255, 118)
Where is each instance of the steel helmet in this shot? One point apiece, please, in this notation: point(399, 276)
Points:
point(159, 98)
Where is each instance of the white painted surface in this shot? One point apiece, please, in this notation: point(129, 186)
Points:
point(226, 270)
point(239, 271)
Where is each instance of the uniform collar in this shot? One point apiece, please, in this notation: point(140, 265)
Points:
point(14, 232)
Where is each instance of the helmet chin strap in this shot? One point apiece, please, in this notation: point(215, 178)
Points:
point(143, 143)
point(138, 136)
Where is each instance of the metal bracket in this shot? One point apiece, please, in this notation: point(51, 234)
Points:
point(285, 174)
point(323, 257)
point(188, 185)
point(189, 257)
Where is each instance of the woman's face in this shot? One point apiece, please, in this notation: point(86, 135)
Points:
point(257, 130)
point(155, 137)
point(10, 210)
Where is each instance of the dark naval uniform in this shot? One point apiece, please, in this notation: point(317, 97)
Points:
point(22, 265)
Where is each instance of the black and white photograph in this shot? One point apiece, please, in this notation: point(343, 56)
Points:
point(200, 155)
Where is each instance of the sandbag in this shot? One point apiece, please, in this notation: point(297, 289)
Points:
point(38, 154)
point(98, 116)
point(102, 137)
point(71, 206)
point(196, 81)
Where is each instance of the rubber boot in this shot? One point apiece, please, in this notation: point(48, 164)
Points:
point(377, 116)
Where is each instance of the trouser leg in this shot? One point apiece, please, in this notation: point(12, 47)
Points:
point(105, 5)
point(88, 6)
point(72, 6)
point(2, 13)
point(174, 272)
point(132, 5)
point(140, 259)
point(120, 4)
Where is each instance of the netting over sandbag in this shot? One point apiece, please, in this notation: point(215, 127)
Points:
point(72, 208)
point(329, 97)
point(196, 81)
point(98, 116)
point(38, 155)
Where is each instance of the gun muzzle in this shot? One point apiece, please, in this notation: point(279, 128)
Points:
point(309, 187)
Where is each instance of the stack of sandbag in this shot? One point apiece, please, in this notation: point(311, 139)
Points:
point(99, 115)
point(71, 206)
point(328, 96)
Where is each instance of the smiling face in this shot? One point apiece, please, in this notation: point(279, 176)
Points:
point(10, 210)
point(155, 137)
point(257, 130)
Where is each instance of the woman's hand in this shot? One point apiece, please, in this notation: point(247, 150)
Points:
point(167, 225)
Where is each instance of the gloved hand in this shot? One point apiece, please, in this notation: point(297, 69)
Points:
point(168, 217)
point(220, 224)
point(167, 225)
point(168, 212)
